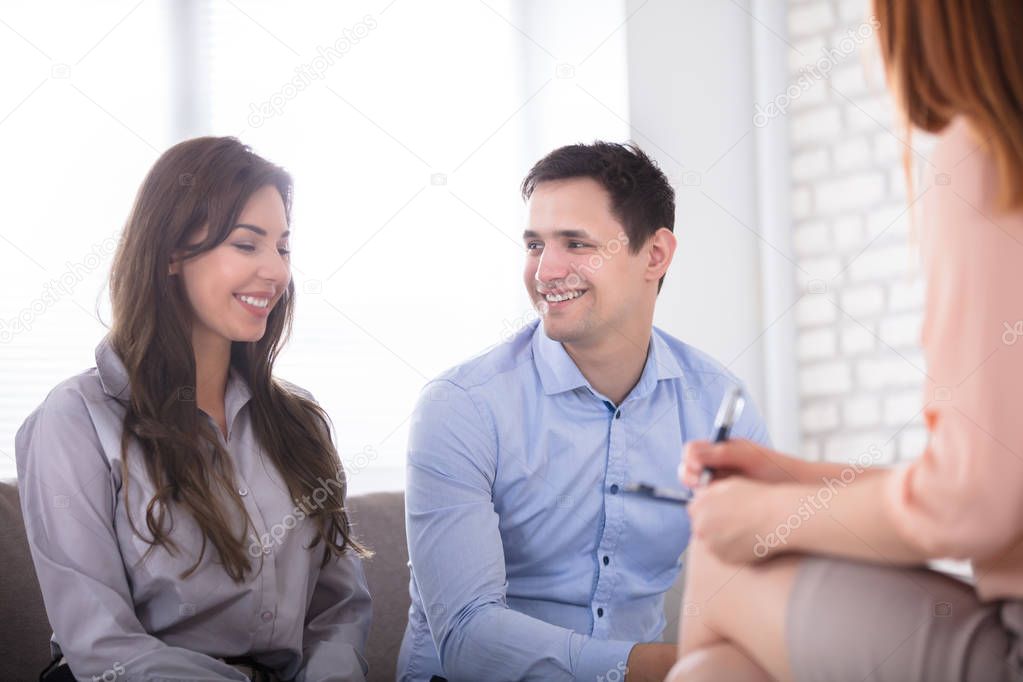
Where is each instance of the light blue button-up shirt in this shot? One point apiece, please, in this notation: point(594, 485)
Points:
point(528, 560)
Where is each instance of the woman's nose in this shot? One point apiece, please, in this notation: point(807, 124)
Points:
point(276, 268)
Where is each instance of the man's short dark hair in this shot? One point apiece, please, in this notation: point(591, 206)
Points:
point(642, 199)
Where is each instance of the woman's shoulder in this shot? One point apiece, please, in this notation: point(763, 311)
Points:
point(294, 389)
point(76, 395)
point(963, 167)
point(73, 416)
point(961, 187)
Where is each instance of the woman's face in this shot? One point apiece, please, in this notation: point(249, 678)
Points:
point(233, 287)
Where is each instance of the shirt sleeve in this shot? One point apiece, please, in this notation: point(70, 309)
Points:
point(338, 617)
point(963, 497)
point(750, 424)
point(457, 556)
point(338, 620)
point(68, 499)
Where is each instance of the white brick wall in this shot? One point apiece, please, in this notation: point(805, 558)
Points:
point(858, 325)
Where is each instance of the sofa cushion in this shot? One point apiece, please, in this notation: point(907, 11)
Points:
point(379, 519)
point(24, 630)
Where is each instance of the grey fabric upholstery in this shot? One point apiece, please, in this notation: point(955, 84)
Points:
point(379, 518)
point(24, 630)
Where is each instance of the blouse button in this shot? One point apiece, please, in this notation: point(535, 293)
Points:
point(243, 491)
point(267, 616)
point(267, 550)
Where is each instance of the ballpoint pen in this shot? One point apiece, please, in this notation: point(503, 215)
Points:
point(728, 414)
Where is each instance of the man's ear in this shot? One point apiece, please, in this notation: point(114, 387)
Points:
point(660, 248)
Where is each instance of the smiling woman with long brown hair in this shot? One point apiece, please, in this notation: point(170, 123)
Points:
point(184, 507)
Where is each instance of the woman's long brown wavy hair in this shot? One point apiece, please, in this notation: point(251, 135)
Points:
point(945, 58)
point(207, 182)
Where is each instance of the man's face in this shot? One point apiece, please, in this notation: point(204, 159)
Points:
point(580, 274)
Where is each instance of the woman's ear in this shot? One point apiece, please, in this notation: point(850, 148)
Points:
point(175, 263)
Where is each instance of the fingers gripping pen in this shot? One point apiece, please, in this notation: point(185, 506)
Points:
point(728, 414)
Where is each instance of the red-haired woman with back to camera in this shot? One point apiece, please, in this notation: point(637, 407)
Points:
point(786, 584)
point(184, 507)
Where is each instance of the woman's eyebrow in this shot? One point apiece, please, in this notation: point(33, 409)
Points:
point(259, 230)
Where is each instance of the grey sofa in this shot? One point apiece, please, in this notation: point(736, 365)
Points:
point(25, 632)
point(379, 518)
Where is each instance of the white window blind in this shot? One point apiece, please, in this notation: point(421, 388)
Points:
point(407, 127)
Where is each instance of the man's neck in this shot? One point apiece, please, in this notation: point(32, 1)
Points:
point(613, 367)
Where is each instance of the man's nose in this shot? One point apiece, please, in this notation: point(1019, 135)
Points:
point(553, 265)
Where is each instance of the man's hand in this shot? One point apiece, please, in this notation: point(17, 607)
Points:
point(650, 662)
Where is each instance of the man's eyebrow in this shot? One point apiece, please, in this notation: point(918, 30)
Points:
point(568, 234)
point(259, 230)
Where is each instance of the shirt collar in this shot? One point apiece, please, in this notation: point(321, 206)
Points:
point(559, 373)
point(113, 377)
point(112, 374)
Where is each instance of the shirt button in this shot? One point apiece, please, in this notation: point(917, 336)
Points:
point(618, 414)
point(267, 550)
point(600, 613)
point(614, 489)
point(243, 491)
point(267, 616)
point(607, 560)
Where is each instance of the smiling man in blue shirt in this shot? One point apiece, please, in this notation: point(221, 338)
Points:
point(528, 560)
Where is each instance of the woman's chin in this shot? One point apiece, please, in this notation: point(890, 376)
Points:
point(247, 335)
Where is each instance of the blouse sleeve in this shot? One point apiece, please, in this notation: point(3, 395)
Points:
point(68, 497)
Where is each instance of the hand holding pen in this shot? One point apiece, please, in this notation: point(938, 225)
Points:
point(728, 414)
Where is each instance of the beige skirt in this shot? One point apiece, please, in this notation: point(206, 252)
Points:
point(856, 621)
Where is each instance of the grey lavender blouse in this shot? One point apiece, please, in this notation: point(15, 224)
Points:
point(115, 615)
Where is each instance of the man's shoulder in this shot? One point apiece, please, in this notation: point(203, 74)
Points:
point(705, 383)
point(500, 363)
point(698, 367)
